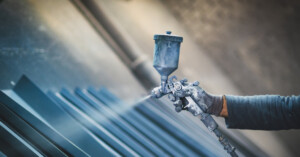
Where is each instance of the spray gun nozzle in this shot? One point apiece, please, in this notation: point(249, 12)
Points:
point(164, 83)
point(157, 92)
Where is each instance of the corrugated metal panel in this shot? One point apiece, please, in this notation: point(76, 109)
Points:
point(89, 122)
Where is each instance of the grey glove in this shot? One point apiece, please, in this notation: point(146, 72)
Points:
point(209, 103)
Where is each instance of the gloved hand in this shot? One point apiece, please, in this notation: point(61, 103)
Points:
point(209, 103)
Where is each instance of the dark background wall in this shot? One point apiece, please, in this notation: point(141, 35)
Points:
point(256, 43)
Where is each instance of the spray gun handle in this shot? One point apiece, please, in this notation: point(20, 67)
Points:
point(208, 121)
point(211, 125)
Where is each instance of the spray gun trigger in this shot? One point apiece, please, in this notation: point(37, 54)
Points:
point(171, 97)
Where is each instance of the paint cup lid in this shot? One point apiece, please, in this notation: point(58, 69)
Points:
point(168, 37)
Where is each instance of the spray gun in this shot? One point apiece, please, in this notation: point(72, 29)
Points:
point(182, 93)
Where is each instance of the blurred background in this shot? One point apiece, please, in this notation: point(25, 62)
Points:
point(234, 47)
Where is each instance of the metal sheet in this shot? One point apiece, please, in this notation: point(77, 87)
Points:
point(91, 124)
point(33, 129)
point(105, 121)
point(61, 120)
point(138, 125)
point(120, 123)
point(15, 145)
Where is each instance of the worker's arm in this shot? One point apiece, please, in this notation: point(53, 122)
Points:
point(265, 112)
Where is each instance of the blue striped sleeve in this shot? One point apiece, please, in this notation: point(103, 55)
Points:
point(263, 112)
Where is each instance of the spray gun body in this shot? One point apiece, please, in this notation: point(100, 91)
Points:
point(184, 95)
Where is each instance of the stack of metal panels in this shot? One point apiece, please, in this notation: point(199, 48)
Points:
point(91, 122)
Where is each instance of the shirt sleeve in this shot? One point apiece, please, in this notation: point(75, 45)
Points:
point(264, 112)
